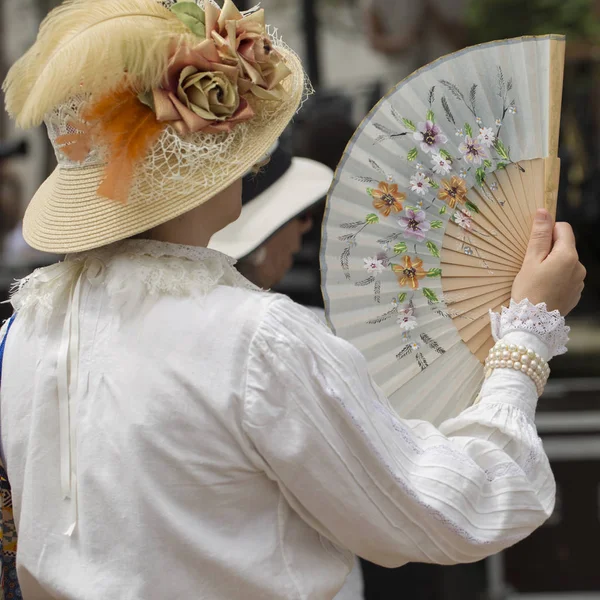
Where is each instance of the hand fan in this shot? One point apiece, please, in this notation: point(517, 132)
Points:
point(429, 217)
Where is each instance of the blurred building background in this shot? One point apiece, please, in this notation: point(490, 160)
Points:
point(355, 50)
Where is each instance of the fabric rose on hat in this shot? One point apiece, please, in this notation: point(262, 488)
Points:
point(242, 41)
point(199, 93)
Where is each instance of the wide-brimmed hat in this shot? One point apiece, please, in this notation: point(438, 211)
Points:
point(152, 107)
point(275, 195)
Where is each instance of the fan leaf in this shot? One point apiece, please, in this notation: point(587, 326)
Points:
point(447, 110)
point(409, 124)
point(376, 167)
point(437, 224)
point(468, 130)
point(472, 96)
point(383, 128)
point(364, 179)
point(400, 248)
point(365, 282)
point(344, 261)
point(432, 96)
point(412, 154)
point(345, 238)
point(433, 249)
point(352, 225)
point(382, 318)
point(453, 89)
point(396, 115)
point(432, 343)
point(434, 273)
point(422, 362)
point(472, 207)
point(430, 295)
point(501, 149)
point(372, 219)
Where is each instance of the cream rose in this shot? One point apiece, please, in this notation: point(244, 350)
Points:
point(211, 95)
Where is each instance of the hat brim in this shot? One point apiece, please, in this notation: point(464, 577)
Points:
point(303, 184)
point(67, 215)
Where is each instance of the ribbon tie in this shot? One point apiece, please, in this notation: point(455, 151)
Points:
point(67, 380)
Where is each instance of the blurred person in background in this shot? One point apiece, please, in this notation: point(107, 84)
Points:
point(277, 205)
point(15, 252)
point(411, 34)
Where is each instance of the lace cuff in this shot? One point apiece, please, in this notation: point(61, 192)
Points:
point(524, 316)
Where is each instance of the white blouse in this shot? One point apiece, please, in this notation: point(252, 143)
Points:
point(170, 431)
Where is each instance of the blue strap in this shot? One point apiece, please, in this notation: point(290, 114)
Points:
point(3, 343)
point(2, 347)
point(9, 582)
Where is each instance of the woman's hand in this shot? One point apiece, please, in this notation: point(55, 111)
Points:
point(551, 272)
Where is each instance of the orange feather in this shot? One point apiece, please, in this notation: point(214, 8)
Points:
point(126, 129)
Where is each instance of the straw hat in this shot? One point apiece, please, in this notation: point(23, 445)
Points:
point(152, 107)
point(284, 189)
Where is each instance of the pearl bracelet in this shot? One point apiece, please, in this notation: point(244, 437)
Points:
point(519, 358)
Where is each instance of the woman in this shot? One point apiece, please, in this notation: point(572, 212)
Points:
point(169, 430)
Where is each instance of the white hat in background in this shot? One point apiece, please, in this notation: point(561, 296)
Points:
point(271, 198)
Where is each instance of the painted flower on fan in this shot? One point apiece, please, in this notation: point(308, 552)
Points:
point(463, 219)
point(473, 151)
point(512, 109)
point(453, 191)
point(387, 198)
point(478, 120)
point(430, 136)
point(441, 165)
point(415, 225)
point(406, 319)
point(463, 173)
point(460, 132)
point(419, 167)
point(409, 272)
point(498, 122)
point(199, 93)
point(486, 137)
point(415, 347)
point(242, 42)
point(374, 266)
point(419, 183)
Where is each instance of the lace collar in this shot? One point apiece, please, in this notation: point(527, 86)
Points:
point(154, 249)
point(129, 270)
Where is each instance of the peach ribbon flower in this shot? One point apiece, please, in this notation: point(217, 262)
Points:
point(200, 93)
point(242, 41)
point(387, 198)
point(409, 272)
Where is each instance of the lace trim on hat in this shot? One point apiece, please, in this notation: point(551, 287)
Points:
point(549, 326)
